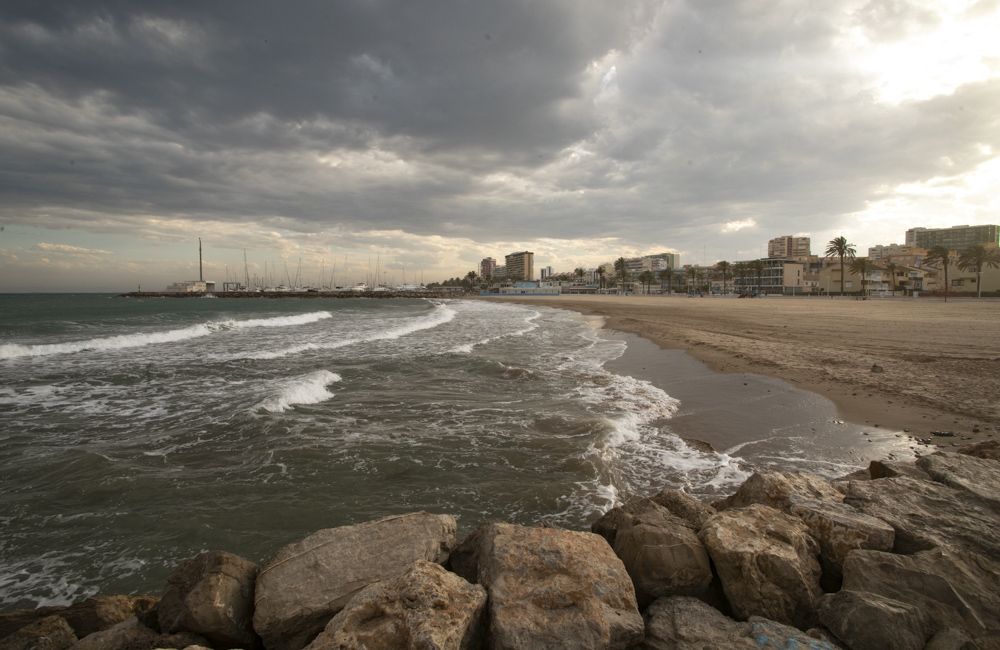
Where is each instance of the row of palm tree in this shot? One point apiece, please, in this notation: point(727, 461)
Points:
point(975, 258)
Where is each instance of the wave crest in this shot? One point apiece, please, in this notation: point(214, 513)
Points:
point(307, 389)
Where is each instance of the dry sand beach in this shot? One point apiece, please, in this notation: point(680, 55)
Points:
point(918, 365)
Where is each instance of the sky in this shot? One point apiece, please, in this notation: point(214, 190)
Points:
point(424, 136)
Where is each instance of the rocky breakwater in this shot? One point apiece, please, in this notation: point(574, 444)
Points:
point(897, 556)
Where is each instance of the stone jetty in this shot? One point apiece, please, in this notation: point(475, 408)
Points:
point(898, 556)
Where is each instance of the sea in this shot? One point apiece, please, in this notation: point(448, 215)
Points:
point(136, 433)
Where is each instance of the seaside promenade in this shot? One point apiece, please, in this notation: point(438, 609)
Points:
point(920, 364)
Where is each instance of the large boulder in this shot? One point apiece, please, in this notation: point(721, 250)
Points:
point(555, 588)
point(427, 607)
point(681, 504)
point(683, 623)
point(953, 589)
point(608, 525)
point(867, 621)
point(302, 587)
point(86, 617)
point(926, 514)
point(989, 449)
point(662, 555)
point(840, 529)
point(212, 596)
point(133, 635)
point(978, 477)
point(49, 633)
point(779, 489)
point(767, 563)
point(892, 468)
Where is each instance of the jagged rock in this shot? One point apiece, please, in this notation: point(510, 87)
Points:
point(856, 475)
point(212, 596)
point(427, 607)
point(49, 633)
point(977, 476)
point(767, 563)
point(308, 582)
point(892, 468)
point(133, 635)
point(926, 514)
point(778, 489)
point(619, 516)
point(683, 623)
point(840, 529)
point(989, 449)
point(86, 617)
point(683, 505)
point(867, 621)
point(953, 589)
point(951, 639)
point(662, 555)
point(555, 588)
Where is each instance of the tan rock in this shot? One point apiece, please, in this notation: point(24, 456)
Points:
point(86, 617)
point(767, 563)
point(840, 529)
point(133, 635)
point(681, 504)
point(49, 633)
point(778, 489)
point(892, 468)
point(212, 596)
point(552, 588)
point(308, 582)
point(867, 621)
point(978, 477)
point(426, 608)
point(989, 449)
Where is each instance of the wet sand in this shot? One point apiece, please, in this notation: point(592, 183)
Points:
point(913, 365)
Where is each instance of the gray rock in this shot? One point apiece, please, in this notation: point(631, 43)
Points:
point(49, 633)
point(609, 524)
point(892, 468)
point(662, 555)
point(767, 563)
point(778, 489)
point(308, 582)
point(989, 449)
point(840, 529)
point(133, 635)
point(926, 514)
point(212, 596)
point(683, 623)
point(86, 617)
point(555, 588)
point(978, 477)
point(681, 504)
point(426, 608)
point(867, 621)
point(953, 589)
point(951, 639)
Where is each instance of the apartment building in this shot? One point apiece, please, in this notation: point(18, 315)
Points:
point(520, 265)
point(788, 246)
point(487, 267)
point(955, 238)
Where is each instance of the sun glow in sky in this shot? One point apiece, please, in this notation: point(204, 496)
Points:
point(430, 139)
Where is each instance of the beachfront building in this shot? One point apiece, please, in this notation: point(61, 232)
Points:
point(500, 273)
point(787, 246)
point(192, 286)
point(547, 272)
point(487, 267)
point(891, 251)
point(654, 263)
point(956, 238)
point(520, 265)
point(778, 276)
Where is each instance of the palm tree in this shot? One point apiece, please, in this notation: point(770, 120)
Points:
point(470, 278)
point(692, 277)
point(977, 257)
point(862, 266)
point(724, 268)
point(839, 247)
point(940, 257)
point(622, 271)
point(891, 268)
point(600, 276)
point(668, 275)
point(757, 266)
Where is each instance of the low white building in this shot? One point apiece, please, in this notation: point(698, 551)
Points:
point(192, 286)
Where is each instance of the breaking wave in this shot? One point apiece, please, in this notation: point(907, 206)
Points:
point(307, 389)
point(124, 341)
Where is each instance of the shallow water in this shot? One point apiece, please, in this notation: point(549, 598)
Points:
point(137, 433)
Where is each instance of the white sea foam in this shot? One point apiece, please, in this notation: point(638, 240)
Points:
point(440, 315)
point(123, 341)
point(307, 389)
point(530, 323)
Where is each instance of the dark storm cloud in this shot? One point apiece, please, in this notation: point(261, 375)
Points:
point(489, 120)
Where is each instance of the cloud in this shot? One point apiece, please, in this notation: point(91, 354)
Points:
point(492, 122)
point(69, 250)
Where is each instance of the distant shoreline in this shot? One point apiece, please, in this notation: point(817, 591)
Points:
point(912, 365)
point(294, 294)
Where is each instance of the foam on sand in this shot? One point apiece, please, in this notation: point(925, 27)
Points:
point(124, 341)
point(306, 389)
point(529, 321)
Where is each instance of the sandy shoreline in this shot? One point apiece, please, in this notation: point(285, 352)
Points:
point(940, 362)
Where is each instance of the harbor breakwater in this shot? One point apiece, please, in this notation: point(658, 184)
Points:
point(898, 555)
